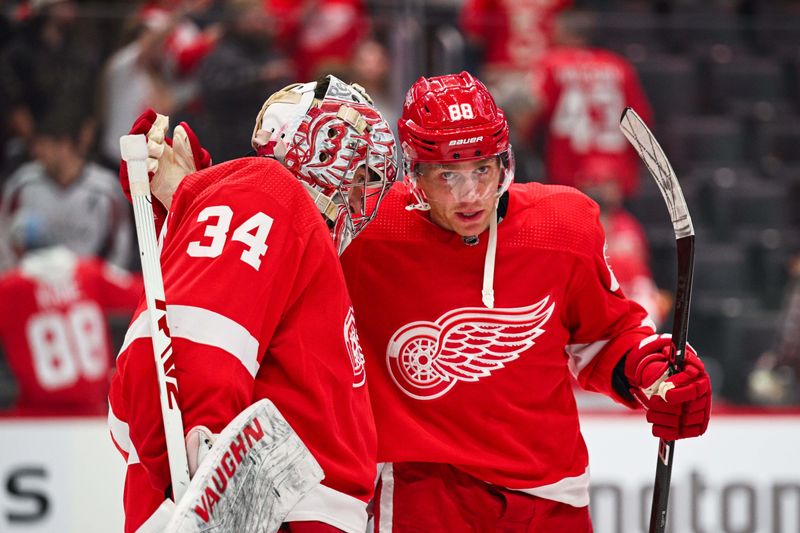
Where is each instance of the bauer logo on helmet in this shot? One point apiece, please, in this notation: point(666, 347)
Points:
point(471, 140)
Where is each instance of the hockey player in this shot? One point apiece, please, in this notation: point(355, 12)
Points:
point(256, 299)
point(53, 328)
point(504, 291)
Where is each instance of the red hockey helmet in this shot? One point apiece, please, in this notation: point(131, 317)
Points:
point(453, 118)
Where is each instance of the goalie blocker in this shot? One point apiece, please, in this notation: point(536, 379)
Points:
point(253, 475)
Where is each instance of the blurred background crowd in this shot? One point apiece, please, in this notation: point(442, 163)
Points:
point(718, 81)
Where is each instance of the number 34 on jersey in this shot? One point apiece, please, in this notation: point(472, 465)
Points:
point(252, 233)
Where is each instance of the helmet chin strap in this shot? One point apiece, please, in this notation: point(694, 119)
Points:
point(487, 294)
point(419, 206)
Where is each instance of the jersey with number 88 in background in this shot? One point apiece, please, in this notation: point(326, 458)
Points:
point(54, 330)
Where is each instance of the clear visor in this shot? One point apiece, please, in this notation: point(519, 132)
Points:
point(465, 182)
point(475, 184)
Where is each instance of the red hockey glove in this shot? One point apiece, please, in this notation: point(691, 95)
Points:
point(168, 160)
point(678, 406)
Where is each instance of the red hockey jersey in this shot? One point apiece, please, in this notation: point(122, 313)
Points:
point(583, 94)
point(54, 332)
point(258, 308)
point(488, 390)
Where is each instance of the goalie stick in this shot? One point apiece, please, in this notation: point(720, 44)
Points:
point(656, 161)
point(134, 153)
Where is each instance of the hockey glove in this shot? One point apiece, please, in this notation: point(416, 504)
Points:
point(168, 161)
point(679, 405)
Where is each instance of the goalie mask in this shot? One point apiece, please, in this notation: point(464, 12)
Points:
point(329, 135)
point(451, 119)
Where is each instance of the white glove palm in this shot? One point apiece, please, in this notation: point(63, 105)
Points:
point(169, 164)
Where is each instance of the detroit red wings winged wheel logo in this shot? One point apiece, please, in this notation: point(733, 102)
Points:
point(427, 359)
point(354, 349)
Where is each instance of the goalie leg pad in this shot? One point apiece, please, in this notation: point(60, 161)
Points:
point(256, 471)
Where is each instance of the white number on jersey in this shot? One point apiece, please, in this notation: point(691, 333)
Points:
point(252, 232)
point(218, 232)
point(457, 112)
point(588, 115)
point(66, 347)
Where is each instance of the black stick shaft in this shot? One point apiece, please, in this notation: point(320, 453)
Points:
point(680, 329)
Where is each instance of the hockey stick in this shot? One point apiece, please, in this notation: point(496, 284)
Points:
point(134, 153)
point(656, 161)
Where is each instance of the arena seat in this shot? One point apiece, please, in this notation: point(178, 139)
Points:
point(705, 140)
point(670, 83)
point(747, 80)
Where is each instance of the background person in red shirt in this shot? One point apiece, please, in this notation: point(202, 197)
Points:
point(512, 35)
point(582, 92)
point(53, 322)
point(321, 35)
point(509, 37)
point(627, 249)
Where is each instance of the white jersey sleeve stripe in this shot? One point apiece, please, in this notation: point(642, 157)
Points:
point(324, 504)
point(119, 431)
point(136, 330)
point(580, 355)
point(648, 323)
point(120, 434)
point(133, 457)
point(203, 327)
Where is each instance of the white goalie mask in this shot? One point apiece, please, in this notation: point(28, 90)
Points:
point(337, 144)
